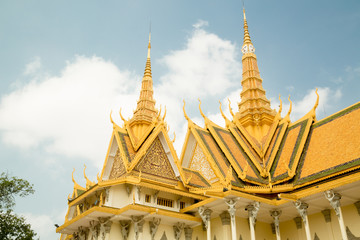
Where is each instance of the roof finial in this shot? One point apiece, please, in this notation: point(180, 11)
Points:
point(149, 46)
point(247, 39)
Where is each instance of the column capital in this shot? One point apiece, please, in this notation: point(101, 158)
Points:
point(327, 215)
point(178, 228)
point(188, 232)
point(253, 210)
point(297, 221)
point(302, 209)
point(231, 206)
point(138, 222)
point(205, 214)
point(225, 218)
point(334, 199)
point(275, 214)
point(153, 225)
point(105, 226)
point(125, 227)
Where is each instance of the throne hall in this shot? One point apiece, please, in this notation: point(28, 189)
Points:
point(260, 176)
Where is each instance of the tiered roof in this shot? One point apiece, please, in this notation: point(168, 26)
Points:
point(264, 152)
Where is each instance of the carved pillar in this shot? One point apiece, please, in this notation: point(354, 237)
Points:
point(125, 227)
point(225, 220)
point(105, 226)
point(334, 199)
point(205, 216)
point(178, 228)
point(253, 210)
point(302, 209)
point(231, 209)
point(153, 225)
point(327, 217)
point(138, 222)
point(82, 233)
point(94, 230)
point(276, 214)
point(188, 233)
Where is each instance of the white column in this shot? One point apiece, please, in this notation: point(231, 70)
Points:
point(253, 210)
point(302, 209)
point(231, 209)
point(205, 216)
point(276, 214)
point(334, 199)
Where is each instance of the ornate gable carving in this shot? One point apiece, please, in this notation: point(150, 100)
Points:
point(155, 162)
point(199, 163)
point(118, 167)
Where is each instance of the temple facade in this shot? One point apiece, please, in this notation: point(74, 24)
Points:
point(260, 176)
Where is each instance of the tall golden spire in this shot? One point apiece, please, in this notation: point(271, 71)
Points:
point(247, 39)
point(254, 108)
point(145, 109)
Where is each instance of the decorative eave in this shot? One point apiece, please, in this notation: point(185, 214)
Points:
point(109, 211)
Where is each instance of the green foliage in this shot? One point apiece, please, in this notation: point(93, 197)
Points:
point(10, 187)
point(13, 226)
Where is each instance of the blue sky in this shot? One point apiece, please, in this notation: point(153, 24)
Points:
point(64, 65)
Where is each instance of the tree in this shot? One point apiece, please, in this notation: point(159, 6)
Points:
point(13, 226)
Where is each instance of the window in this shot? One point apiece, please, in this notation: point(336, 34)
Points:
point(147, 198)
point(182, 205)
point(165, 202)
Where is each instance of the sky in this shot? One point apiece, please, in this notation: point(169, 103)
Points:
point(65, 65)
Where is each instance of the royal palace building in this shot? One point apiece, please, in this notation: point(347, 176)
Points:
point(260, 176)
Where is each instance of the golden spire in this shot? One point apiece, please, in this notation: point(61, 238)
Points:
point(247, 39)
point(254, 108)
point(145, 110)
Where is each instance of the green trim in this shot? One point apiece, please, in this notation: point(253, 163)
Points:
point(201, 133)
point(124, 145)
point(302, 126)
point(332, 170)
point(276, 139)
point(79, 192)
point(256, 171)
point(337, 115)
point(329, 171)
point(200, 176)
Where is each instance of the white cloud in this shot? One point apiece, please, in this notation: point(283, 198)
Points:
point(206, 67)
point(201, 23)
point(68, 114)
point(327, 98)
point(33, 66)
point(43, 224)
